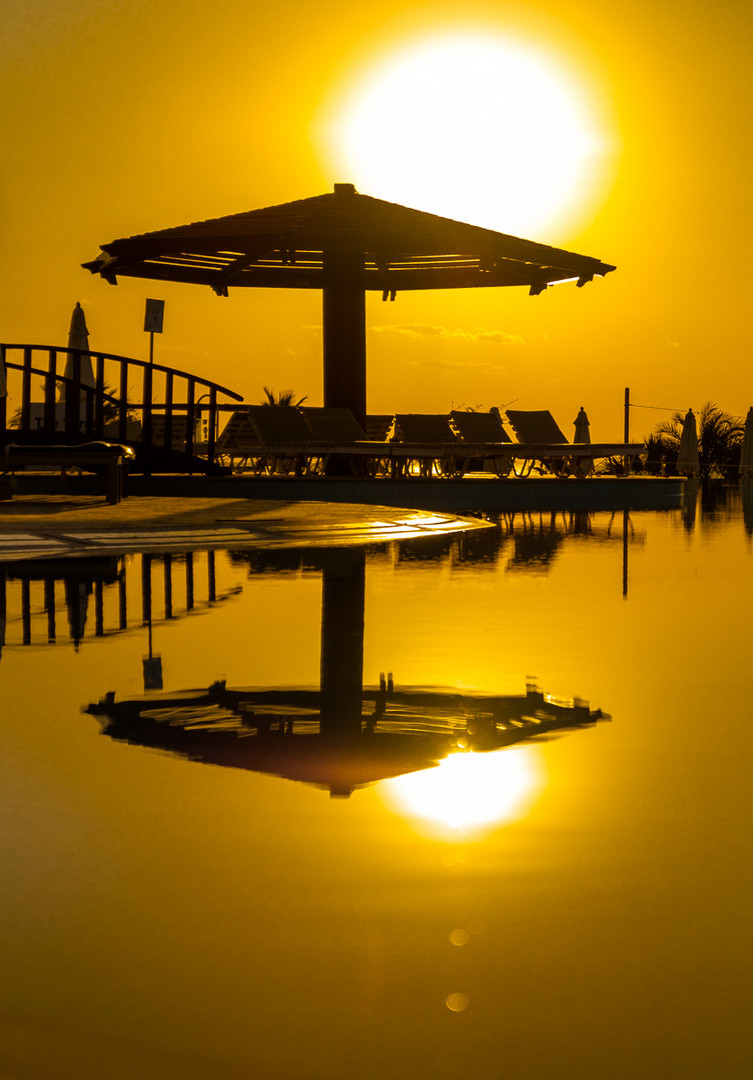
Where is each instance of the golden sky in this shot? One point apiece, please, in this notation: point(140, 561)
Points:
point(123, 116)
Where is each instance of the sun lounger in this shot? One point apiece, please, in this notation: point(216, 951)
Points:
point(238, 443)
point(488, 443)
point(333, 425)
point(378, 426)
point(287, 443)
point(542, 444)
point(313, 441)
point(107, 460)
point(453, 445)
point(349, 451)
point(178, 433)
point(424, 443)
point(479, 427)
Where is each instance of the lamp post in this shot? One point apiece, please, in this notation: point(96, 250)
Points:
point(216, 419)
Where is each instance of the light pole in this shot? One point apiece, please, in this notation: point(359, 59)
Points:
point(216, 419)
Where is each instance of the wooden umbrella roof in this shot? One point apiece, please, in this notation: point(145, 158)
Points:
point(287, 246)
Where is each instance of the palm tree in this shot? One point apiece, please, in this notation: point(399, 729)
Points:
point(719, 438)
point(282, 397)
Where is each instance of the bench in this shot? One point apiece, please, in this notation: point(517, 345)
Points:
point(98, 457)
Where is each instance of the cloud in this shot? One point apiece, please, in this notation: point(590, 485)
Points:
point(456, 364)
point(427, 330)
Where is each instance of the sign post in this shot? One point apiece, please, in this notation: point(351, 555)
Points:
point(153, 319)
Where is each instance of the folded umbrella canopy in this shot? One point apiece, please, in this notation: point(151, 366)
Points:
point(78, 338)
point(342, 243)
point(746, 452)
point(687, 455)
point(582, 428)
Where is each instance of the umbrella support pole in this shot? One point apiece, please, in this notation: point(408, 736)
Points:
point(344, 333)
point(341, 655)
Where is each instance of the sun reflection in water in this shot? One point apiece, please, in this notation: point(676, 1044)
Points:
point(467, 793)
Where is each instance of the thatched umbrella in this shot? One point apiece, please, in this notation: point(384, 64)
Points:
point(342, 243)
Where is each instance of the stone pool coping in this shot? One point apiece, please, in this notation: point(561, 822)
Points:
point(55, 526)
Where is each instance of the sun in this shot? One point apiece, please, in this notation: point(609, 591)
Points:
point(467, 793)
point(474, 127)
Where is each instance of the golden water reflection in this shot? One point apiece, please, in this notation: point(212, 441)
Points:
point(468, 793)
point(217, 910)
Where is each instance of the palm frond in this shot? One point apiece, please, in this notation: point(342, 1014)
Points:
point(282, 397)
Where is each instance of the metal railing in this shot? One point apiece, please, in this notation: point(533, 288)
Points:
point(87, 395)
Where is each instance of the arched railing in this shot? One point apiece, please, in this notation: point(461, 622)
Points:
point(159, 415)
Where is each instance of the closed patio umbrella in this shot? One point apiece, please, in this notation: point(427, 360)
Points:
point(78, 338)
point(582, 428)
point(746, 453)
point(687, 455)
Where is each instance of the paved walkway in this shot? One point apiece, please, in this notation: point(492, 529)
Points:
point(52, 526)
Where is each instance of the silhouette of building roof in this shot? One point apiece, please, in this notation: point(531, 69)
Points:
point(288, 246)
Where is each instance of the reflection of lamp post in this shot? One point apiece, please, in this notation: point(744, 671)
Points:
point(152, 665)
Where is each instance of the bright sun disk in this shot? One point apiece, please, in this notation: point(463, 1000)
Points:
point(480, 129)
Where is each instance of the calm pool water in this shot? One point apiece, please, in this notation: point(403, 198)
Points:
point(572, 907)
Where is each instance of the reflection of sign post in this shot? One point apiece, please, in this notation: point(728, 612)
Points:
point(152, 672)
point(153, 318)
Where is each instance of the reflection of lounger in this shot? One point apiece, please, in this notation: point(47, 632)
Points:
point(542, 443)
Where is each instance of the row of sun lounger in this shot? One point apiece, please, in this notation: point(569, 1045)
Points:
point(278, 439)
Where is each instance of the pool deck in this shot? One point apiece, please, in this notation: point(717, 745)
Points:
point(178, 513)
point(59, 526)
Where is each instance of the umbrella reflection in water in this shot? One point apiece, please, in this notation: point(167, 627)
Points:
point(341, 736)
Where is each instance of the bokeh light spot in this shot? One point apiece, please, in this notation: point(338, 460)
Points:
point(457, 1002)
point(459, 937)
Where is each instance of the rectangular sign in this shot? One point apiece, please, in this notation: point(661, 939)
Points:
point(155, 313)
